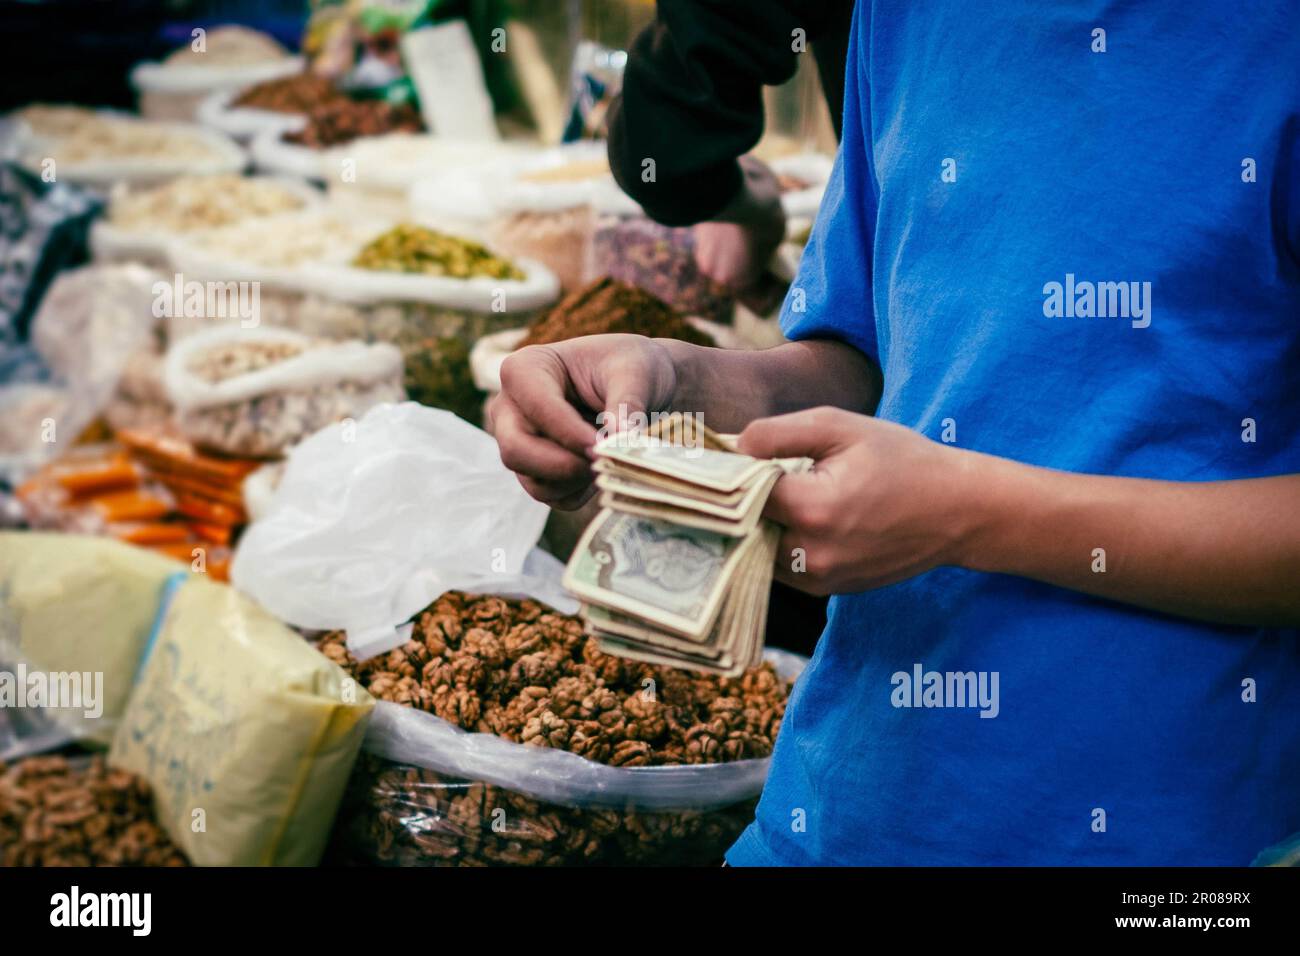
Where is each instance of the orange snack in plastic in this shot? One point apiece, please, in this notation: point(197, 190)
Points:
point(148, 533)
point(130, 505)
point(209, 511)
point(214, 533)
point(177, 455)
point(95, 475)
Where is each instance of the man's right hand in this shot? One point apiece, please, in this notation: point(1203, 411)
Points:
point(550, 396)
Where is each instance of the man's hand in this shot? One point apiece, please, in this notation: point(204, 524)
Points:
point(550, 396)
point(882, 503)
point(736, 247)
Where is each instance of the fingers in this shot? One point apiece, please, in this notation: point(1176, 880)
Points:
point(537, 385)
point(563, 496)
point(625, 389)
point(794, 555)
point(815, 433)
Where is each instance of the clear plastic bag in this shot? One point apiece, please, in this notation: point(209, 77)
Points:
point(428, 793)
point(263, 411)
point(45, 227)
point(401, 815)
point(362, 533)
point(87, 330)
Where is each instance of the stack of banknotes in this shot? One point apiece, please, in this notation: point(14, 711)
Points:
point(677, 567)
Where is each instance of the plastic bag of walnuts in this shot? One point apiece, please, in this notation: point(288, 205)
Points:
point(503, 736)
point(60, 812)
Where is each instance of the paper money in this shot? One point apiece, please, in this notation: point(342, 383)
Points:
point(677, 567)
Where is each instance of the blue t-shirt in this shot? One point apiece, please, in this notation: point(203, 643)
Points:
point(1082, 251)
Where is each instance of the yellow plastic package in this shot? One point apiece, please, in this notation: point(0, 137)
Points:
point(79, 607)
point(246, 733)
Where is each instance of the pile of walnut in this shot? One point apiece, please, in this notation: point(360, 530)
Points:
point(526, 673)
point(529, 674)
point(397, 815)
point(55, 813)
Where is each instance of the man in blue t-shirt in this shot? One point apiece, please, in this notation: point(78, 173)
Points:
point(1059, 262)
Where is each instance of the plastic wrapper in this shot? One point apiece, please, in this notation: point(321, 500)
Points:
point(43, 230)
point(91, 322)
point(73, 604)
point(56, 811)
point(430, 794)
point(275, 387)
point(245, 732)
point(401, 815)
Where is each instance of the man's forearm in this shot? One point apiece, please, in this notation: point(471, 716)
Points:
point(732, 387)
point(1226, 551)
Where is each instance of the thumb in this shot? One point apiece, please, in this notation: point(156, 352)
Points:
point(625, 391)
point(815, 433)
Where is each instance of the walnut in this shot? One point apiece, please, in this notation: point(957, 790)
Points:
point(702, 746)
point(467, 670)
point(484, 645)
point(608, 668)
point(55, 813)
point(457, 705)
point(522, 639)
point(567, 695)
point(542, 667)
point(488, 610)
point(590, 743)
point(546, 730)
point(646, 718)
point(631, 753)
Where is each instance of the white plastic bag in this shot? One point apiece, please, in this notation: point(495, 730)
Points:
point(149, 244)
point(271, 153)
point(369, 526)
point(262, 411)
point(203, 152)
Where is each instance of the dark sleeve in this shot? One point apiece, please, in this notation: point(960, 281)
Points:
point(692, 98)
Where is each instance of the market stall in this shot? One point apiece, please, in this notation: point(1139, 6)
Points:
point(248, 510)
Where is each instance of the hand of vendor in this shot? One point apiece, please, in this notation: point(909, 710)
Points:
point(882, 504)
point(550, 396)
point(736, 246)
